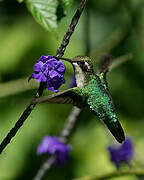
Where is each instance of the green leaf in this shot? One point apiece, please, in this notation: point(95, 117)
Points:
point(44, 11)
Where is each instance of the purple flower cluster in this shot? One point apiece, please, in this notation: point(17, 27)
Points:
point(122, 153)
point(52, 145)
point(50, 71)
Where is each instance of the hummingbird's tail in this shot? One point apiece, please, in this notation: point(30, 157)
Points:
point(116, 130)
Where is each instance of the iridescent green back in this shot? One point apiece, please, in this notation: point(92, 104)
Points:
point(101, 104)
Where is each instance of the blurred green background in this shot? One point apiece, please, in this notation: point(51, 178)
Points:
point(116, 27)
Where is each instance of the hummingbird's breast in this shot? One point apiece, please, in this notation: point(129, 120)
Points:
point(79, 75)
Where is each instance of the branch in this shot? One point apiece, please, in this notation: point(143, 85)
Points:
point(60, 52)
point(21, 120)
point(46, 165)
point(70, 122)
point(87, 31)
point(138, 172)
point(75, 19)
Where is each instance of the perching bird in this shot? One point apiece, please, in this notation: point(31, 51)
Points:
point(91, 91)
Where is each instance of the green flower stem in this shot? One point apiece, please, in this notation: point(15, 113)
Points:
point(138, 172)
point(31, 106)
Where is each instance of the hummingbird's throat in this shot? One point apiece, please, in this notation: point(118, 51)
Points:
point(79, 75)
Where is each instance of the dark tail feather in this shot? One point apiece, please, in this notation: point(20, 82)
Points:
point(116, 130)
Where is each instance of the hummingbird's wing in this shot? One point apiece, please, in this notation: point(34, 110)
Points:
point(107, 63)
point(104, 63)
point(69, 96)
point(103, 68)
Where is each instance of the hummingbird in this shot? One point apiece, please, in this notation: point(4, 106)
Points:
point(91, 91)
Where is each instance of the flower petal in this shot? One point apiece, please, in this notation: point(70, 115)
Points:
point(38, 66)
point(121, 153)
point(52, 145)
point(60, 67)
point(48, 69)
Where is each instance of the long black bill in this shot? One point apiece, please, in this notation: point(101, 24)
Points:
point(65, 59)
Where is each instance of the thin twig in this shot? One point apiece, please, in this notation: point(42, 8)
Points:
point(46, 165)
point(87, 31)
point(60, 52)
point(21, 120)
point(70, 122)
point(138, 172)
point(75, 19)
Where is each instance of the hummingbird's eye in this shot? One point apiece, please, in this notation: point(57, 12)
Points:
point(81, 63)
point(84, 66)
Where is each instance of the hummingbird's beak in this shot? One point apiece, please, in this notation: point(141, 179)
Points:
point(65, 59)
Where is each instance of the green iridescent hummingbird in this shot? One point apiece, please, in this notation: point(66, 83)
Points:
point(91, 91)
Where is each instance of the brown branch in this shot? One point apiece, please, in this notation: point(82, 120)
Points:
point(21, 120)
point(75, 19)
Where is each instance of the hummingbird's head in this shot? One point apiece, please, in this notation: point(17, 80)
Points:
point(84, 63)
point(83, 69)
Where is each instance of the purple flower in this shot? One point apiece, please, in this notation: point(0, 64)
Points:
point(121, 153)
point(72, 82)
point(50, 71)
point(52, 145)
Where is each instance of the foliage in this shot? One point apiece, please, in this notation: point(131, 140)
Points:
point(48, 12)
point(23, 41)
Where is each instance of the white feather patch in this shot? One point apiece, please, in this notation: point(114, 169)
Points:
point(80, 77)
